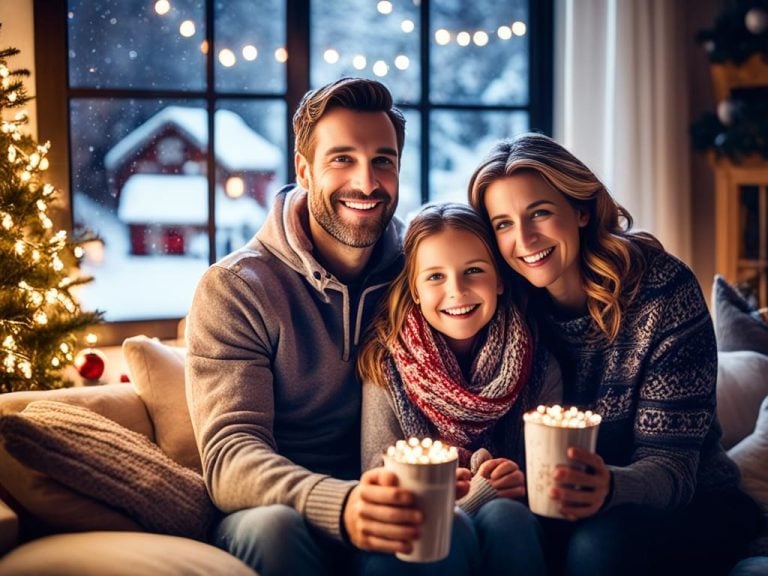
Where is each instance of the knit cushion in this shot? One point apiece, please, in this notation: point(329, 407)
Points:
point(738, 325)
point(751, 454)
point(45, 505)
point(97, 457)
point(157, 374)
point(742, 383)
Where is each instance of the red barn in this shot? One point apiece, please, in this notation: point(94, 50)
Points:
point(158, 177)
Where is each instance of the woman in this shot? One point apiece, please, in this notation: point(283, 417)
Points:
point(635, 342)
point(446, 361)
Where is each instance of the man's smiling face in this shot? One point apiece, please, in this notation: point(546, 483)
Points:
point(352, 178)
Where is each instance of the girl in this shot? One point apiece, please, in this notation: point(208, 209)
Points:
point(635, 344)
point(445, 360)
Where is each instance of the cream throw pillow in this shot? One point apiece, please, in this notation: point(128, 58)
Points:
point(157, 374)
point(742, 383)
point(751, 454)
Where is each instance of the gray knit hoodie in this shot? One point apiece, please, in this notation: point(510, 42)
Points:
point(272, 340)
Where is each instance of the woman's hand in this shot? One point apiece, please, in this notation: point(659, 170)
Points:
point(505, 476)
point(582, 487)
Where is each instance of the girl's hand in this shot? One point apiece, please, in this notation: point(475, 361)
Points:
point(583, 487)
point(505, 476)
point(463, 476)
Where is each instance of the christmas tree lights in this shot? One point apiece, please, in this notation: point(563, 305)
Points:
point(40, 319)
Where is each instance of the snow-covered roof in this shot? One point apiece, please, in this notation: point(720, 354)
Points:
point(238, 147)
point(182, 200)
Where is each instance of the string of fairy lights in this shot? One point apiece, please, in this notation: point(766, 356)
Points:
point(229, 57)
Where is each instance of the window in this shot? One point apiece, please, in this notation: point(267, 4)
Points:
point(137, 87)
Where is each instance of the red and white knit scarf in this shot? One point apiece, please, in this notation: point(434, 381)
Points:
point(461, 411)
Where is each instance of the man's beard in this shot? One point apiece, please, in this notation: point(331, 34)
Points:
point(361, 235)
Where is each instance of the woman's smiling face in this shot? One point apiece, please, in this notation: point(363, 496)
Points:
point(537, 231)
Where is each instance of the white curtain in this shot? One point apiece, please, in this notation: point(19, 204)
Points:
point(621, 91)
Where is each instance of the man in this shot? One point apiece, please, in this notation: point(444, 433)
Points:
point(272, 337)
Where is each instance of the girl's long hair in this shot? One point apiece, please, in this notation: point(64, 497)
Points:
point(611, 260)
point(399, 299)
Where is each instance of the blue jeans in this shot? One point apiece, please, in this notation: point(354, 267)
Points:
point(753, 566)
point(705, 538)
point(275, 540)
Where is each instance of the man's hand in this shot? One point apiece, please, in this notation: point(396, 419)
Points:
point(581, 489)
point(505, 476)
point(379, 516)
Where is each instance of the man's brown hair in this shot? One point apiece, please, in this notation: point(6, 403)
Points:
point(358, 94)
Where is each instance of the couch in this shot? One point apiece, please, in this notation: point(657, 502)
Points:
point(106, 479)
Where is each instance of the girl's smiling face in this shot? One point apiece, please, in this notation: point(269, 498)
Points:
point(537, 231)
point(457, 286)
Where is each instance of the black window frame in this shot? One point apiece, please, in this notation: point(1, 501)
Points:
point(53, 94)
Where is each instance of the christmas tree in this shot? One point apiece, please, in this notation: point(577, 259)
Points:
point(39, 317)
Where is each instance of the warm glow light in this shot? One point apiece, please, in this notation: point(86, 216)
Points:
point(407, 26)
point(463, 38)
point(204, 46)
point(235, 187)
point(78, 251)
point(504, 32)
point(91, 339)
point(331, 56)
point(384, 7)
point(250, 52)
point(402, 62)
point(519, 28)
point(227, 58)
point(380, 68)
point(162, 7)
point(187, 28)
point(359, 62)
point(281, 55)
point(480, 38)
point(442, 36)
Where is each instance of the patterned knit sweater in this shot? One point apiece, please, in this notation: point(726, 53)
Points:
point(655, 389)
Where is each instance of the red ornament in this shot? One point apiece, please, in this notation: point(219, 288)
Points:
point(90, 363)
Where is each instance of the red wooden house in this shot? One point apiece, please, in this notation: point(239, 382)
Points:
point(157, 173)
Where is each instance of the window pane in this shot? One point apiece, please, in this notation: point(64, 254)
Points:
point(479, 52)
point(119, 44)
point(250, 46)
point(460, 140)
point(251, 147)
point(369, 39)
point(139, 181)
point(410, 168)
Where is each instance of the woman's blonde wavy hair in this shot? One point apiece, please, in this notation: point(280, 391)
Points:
point(399, 300)
point(611, 260)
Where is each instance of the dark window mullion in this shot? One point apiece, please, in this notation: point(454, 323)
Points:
point(425, 101)
point(210, 103)
point(541, 64)
point(298, 23)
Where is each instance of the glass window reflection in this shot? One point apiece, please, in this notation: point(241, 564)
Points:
point(460, 140)
point(368, 39)
point(479, 52)
point(137, 45)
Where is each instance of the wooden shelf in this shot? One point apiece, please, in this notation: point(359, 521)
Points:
point(751, 74)
point(732, 217)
